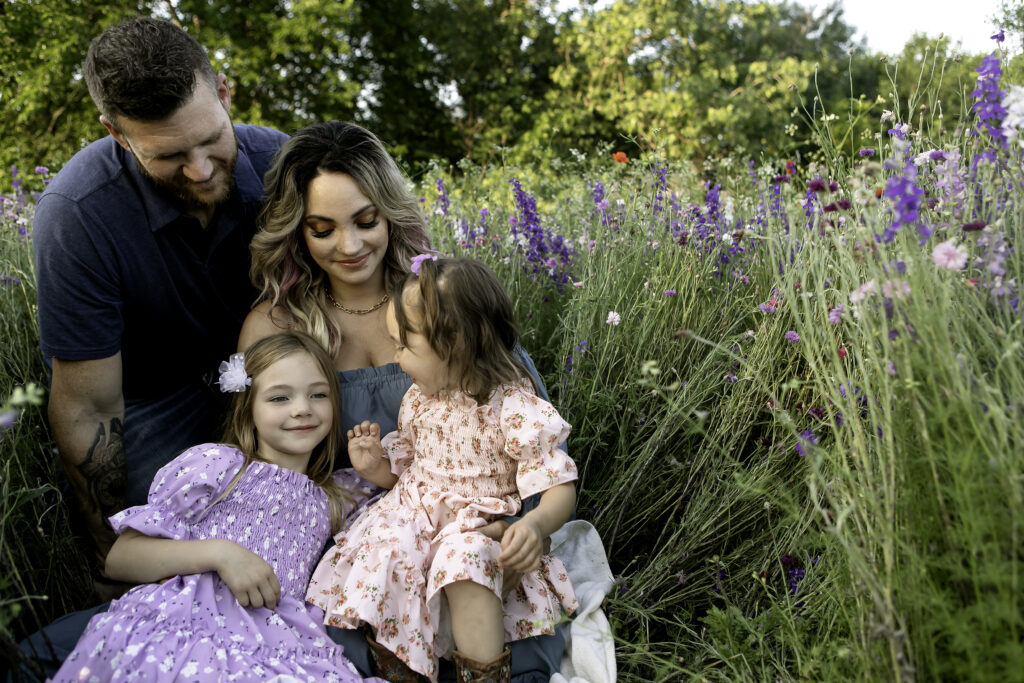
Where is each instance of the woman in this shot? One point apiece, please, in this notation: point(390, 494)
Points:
point(339, 225)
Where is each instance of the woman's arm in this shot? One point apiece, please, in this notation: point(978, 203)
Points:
point(523, 542)
point(138, 558)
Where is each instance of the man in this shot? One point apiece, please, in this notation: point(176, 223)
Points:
point(141, 246)
point(142, 262)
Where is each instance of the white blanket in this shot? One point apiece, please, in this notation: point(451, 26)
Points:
point(590, 651)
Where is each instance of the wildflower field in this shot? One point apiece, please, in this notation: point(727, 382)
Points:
point(795, 388)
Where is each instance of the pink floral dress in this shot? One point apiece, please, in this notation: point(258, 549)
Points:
point(460, 466)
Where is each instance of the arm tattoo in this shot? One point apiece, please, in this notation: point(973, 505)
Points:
point(104, 469)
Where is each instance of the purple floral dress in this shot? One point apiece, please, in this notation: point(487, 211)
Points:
point(460, 466)
point(191, 628)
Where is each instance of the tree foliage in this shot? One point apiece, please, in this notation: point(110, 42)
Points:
point(521, 79)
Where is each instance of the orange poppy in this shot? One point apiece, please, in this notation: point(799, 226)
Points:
point(620, 157)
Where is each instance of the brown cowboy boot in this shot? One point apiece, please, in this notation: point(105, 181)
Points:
point(498, 670)
point(388, 666)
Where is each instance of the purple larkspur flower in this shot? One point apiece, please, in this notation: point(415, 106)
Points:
point(806, 440)
point(867, 152)
point(441, 207)
point(816, 185)
point(988, 104)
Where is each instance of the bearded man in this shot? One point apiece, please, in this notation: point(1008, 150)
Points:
point(142, 259)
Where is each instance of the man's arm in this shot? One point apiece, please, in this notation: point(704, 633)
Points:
point(87, 417)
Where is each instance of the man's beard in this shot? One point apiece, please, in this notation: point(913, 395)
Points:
point(179, 191)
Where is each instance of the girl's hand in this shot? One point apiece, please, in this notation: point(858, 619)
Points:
point(248, 576)
point(364, 449)
point(521, 546)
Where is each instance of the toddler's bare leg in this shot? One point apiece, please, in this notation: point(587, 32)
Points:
point(477, 625)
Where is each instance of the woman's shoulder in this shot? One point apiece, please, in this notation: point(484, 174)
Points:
point(263, 320)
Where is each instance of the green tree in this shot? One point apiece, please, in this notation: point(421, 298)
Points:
point(699, 79)
point(46, 112)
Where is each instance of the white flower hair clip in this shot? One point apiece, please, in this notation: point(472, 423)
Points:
point(232, 374)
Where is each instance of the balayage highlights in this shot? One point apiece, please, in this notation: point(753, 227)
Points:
point(467, 318)
point(241, 429)
point(281, 266)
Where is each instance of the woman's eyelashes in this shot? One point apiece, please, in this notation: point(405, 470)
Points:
point(364, 225)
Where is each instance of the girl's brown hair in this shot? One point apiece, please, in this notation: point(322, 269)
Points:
point(467, 318)
point(241, 429)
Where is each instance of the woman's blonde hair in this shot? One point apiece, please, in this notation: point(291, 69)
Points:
point(467, 318)
point(282, 268)
point(240, 430)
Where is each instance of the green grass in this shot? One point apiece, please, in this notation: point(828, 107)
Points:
point(889, 549)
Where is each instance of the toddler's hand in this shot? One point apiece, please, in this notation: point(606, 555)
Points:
point(248, 576)
point(521, 547)
point(364, 449)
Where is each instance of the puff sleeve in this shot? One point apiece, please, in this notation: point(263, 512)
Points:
point(399, 445)
point(181, 491)
point(533, 432)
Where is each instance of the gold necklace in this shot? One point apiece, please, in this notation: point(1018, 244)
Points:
point(359, 311)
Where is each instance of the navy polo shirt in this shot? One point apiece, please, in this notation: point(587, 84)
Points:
point(120, 268)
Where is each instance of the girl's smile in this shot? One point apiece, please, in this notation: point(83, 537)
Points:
point(291, 410)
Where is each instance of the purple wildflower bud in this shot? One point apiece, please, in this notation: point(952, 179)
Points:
point(792, 337)
point(835, 315)
point(670, 292)
point(843, 204)
point(41, 170)
point(833, 186)
point(867, 152)
point(998, 37)
point(973, 226)
point(816, 185)
point(830, 207)
point(682, 577)
point(807, 439)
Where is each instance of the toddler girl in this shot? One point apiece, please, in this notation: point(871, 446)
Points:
point(472, 439)
point(237, 527)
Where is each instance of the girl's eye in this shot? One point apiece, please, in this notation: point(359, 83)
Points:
point(369, 225)
point(319, 394)
point(319, 234)
point(277, 399)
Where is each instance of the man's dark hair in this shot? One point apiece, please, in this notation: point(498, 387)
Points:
point(144, 69)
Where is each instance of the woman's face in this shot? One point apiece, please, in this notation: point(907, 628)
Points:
point(346, 234)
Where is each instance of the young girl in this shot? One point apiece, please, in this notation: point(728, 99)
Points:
point(237, 528)
point(472, 439)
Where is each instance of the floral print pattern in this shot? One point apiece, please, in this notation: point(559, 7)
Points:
point(191, 627)
point(460, 466)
